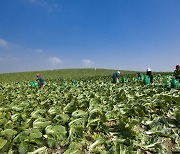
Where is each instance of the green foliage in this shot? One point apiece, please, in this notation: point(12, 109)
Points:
point(82, 111)
point(2, 143)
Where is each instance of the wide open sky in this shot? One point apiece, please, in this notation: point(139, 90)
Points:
point(115, 34)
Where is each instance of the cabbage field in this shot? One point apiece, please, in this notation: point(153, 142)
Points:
point(83, 112)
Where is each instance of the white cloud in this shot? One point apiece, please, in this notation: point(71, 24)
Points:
point(32, 1)
point(49, 5)
point(38, 50)
point(3, 43)
point(8, 59)
point(54, 61)
point(34, 50)
point(11, 58)
point(87, 63)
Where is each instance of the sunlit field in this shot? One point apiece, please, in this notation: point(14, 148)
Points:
point(80, 111)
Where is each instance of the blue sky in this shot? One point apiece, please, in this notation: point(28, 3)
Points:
point(112, 34)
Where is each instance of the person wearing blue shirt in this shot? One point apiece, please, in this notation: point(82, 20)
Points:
point(115, 77)
point(40, 81)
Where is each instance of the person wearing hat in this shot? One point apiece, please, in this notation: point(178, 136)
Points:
point(149, 73)
point(40, 81)
point(115, 77)
point(177, 73)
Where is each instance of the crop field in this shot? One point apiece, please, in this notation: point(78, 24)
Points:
point(81, 111)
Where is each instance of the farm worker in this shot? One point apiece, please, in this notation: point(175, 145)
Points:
point(150, 74)
point(177, 73)
point(40, 81)
point(115, 77)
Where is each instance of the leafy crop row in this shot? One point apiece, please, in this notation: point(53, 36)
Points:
point(89, 116)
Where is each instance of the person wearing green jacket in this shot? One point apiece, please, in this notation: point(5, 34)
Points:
point(177, 73)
